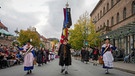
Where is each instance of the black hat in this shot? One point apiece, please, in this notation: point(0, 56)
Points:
point(106, 38)
point(29, 41)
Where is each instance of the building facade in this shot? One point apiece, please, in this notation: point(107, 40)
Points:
point(3, 26)
point(116, 19)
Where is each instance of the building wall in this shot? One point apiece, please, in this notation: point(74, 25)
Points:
point(100, 19)
point(112, 12)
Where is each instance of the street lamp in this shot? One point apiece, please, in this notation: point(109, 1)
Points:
point(85, 35)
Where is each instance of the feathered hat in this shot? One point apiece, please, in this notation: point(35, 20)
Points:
point(106, 38)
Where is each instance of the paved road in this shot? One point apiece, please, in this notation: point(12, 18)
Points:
point(52, 69)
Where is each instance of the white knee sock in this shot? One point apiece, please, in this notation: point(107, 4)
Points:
point(66, 68)
point(62, 67)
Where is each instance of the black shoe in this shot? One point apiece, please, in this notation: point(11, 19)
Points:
point(28, 72)
point(106, 72)
point(66, 72)
point(62, 70)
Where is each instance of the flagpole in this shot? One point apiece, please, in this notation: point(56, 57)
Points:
point(67, 22)
point(67, 5)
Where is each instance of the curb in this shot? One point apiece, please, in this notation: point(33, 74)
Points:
point(121, 69)
point(125, 70)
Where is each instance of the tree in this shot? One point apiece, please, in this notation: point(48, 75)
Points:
point(76, 37)
point(84, 33)
point(93, 37)
point(26, 35)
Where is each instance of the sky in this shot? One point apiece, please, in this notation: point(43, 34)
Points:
point(45, 15)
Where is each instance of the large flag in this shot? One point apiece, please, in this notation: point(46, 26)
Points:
point(66, 23)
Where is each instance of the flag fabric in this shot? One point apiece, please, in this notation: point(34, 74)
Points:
point(67, 18)
point(62, 37)
point(66, 23)
point(65, 32)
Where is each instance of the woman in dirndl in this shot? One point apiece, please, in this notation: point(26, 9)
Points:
point(107, 56)
point(29, 57)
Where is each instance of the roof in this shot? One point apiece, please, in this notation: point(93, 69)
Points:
point(43, 38)
point(3, 26)
point(96, 7)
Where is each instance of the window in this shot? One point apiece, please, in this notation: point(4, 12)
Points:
point(107, 22)
point(107, 6)
point(98, 28)
point(100, 14)
point(124, 13)
point(133, 7)
point(104, 24)
point(117, 17)
point(95, 19)
point(103, 10)
point(112, 21)
point(112, 2)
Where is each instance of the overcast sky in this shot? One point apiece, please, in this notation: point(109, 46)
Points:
point(46, 15)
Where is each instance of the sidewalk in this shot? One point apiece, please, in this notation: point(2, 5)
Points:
point(127, 67)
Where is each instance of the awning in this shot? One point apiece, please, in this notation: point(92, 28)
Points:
point(121, 32)
point(2, 31)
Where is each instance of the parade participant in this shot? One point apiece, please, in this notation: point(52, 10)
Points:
point(107, 56)
point(40, 55)
point(28, 61)
point(44, 56)
point(47, 55)
point(95, 55)
point(28, 57)
point(86, 55)
point(82, 54)
point(65, 56)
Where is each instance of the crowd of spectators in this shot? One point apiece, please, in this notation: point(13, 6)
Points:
point(9, 56)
